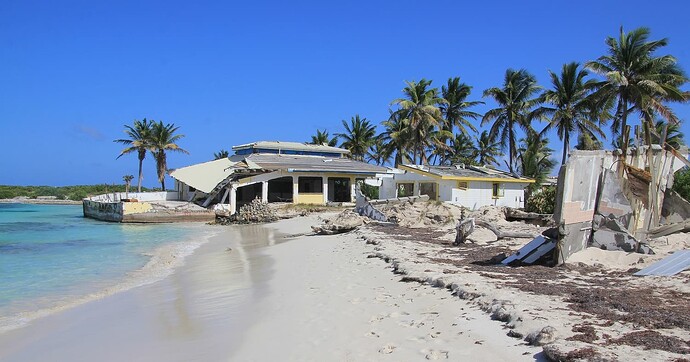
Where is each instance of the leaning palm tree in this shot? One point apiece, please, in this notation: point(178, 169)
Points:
point(420, 108)
point(572, 111)
point(321, 138)
point(515, 109)
point(455, 113)
point(637, 79)
point(397, 138)
point(359, 136)
point(221, 154)
point(137, 141)
point(487, 150)
point(162, 139)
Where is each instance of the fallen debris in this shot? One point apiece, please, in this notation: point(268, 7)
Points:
point(503, 234)
point(346, 221)
point(671, 265)
point(251, 213)
point(535, 251)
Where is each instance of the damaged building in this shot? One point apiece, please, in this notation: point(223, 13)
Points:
point(272, 171)
point(616, 201)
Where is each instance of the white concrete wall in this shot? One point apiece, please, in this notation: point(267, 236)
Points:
point(478, 193)
point(140, 196)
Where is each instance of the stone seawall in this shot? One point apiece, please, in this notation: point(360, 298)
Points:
point(143, 212)
point(105, 211)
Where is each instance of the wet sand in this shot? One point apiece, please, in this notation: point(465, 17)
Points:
point(197, 313)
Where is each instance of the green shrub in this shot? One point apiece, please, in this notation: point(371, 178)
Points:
point(372, 192)
point(542, 201)
point(681, 183)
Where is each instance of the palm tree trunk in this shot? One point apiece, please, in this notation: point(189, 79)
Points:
point(511, 146)
point(141, 174)
point(624, 123)
point(566, 148)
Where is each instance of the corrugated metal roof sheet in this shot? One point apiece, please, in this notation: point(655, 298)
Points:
point(670, 265)
point(313, 164)
point(467, 171)
point(293, 146)
point(532, 251)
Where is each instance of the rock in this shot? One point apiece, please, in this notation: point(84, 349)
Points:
point(545, 336)
point(347, 220)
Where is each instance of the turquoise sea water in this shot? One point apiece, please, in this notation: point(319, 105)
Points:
point(51, 254)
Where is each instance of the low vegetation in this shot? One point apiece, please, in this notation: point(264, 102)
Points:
point(75, 193)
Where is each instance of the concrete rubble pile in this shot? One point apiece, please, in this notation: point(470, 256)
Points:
point(253, 212)
point(411, 211)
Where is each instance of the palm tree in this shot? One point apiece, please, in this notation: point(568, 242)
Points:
point(221, 154)
point(535, 159)
point(321, 138)
point(515, 109)
point(421, 109)
point(461, 150)
point(397, 138)
point(636, 79)
point(359, 136)
point(138, 142)
point(162, 139)
point(378, 153)
point(487, 150)
point(588, 142)
point(128, 181)
point(573, 110)
point(455, 111)
point(674, 137)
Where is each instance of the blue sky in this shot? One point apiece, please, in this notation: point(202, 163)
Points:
point(74, 72)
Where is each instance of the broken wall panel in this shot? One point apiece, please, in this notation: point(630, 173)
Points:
point(577, 193)
point(675, 208)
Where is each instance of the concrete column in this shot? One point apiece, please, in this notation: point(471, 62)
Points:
point(352, 189)
point(295, 190)
point(324, 180)
point(233, 199)
point(264, 191)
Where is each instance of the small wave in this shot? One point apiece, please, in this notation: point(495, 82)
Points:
point(162, 263)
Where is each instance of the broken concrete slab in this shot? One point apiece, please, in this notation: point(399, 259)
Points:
point(615, 240)
point(365, 208)
point(675, 208)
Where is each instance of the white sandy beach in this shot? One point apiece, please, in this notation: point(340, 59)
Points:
point(306, 298)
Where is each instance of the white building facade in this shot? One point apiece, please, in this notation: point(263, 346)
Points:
point(469, 186)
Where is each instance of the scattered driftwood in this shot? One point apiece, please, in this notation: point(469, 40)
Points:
point(502, 234)
point(664, 230)
point(528, 217)
point(463, 230)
